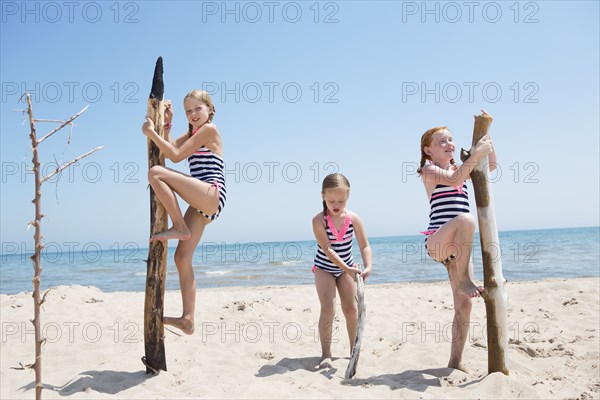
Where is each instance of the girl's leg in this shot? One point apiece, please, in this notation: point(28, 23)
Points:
point(183, 261)
point(200, 195)
point(460, 324)
point(347, 289)
point(325, 285)
point(455, 237)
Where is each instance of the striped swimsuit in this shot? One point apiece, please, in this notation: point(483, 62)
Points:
point(341, 243)
point(208, 167)
point(446, 203)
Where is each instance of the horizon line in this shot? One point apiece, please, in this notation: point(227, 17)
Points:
point(312, 239)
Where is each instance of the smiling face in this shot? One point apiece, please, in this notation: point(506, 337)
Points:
point(441, 147)
point(335, 199)
point(196, 111)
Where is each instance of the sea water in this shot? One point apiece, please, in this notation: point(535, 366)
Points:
point(525, 255)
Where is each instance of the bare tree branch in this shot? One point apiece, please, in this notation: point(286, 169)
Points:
point(48, 120)
point(44, 179)
point(36, 223)
point(63, 125)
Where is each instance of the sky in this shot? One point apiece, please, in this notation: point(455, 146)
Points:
point(301, 89)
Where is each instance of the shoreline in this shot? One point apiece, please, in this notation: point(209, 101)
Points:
point(262, 342)
point(265, 287)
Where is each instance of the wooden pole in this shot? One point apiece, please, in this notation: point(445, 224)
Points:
point(355, 354)
point(494, 295)
point(154, 341)
point(37, 265)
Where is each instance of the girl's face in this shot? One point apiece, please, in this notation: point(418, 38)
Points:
point(441, 148)
point(335, 200)
point(196, 111)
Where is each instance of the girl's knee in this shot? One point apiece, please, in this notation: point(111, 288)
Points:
point(155, 171)
point(350, 310)
point(182, 258)
point(327, 311)
point(467, 220)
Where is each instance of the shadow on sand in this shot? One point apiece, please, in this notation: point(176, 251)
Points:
point(286, 365)
point(109, 382)
point(417, 380)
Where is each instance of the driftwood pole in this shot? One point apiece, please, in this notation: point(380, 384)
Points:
point(37, 224)
point(355, 354)
point(494, 295)
point(154, 340)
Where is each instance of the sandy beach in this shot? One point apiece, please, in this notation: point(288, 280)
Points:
point(263, 343)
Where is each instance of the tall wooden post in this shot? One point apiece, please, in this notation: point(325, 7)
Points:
point(494, 295)
point(154, 344)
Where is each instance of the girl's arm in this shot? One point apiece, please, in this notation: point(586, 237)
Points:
point(432, 174)
point(187, 147)
point(492, 162)
point(323, 240)
point(168, 120)
point(181, 139)
point(363, 244)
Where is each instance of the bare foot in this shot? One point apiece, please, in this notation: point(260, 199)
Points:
point(459, 367)
point(171, 233)
point(186, 325)
point(325, 363)
point(470, 290)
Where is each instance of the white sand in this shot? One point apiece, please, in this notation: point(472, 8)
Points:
point(262, 343)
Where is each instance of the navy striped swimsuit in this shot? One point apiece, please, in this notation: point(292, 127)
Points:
point(446, 203)
point(208, 167)
point(341, 243)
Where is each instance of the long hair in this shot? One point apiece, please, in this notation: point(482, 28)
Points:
point(333, 181)
point(426, 142)
point(204, 97)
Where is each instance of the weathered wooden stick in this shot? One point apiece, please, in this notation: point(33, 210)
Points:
point(37, 265)
point(64, 123)
point(47, 120)
point(360, 297)
point(68, 164)
point(494, 295)
point(154, 341)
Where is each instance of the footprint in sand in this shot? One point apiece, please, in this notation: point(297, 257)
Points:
point(530, 351)
point(570, 302)
point(266, 355)
point(560, 350)
point(395, 346)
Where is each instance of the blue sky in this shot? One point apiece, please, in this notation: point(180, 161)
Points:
point(301, 89)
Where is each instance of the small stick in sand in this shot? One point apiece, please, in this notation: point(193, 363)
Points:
point(360, 297)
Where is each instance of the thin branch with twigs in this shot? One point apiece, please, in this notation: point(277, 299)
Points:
point(36, 223)
point(66, 165)
point(65, 123)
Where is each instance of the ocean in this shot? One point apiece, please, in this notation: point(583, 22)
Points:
point(525, 255)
